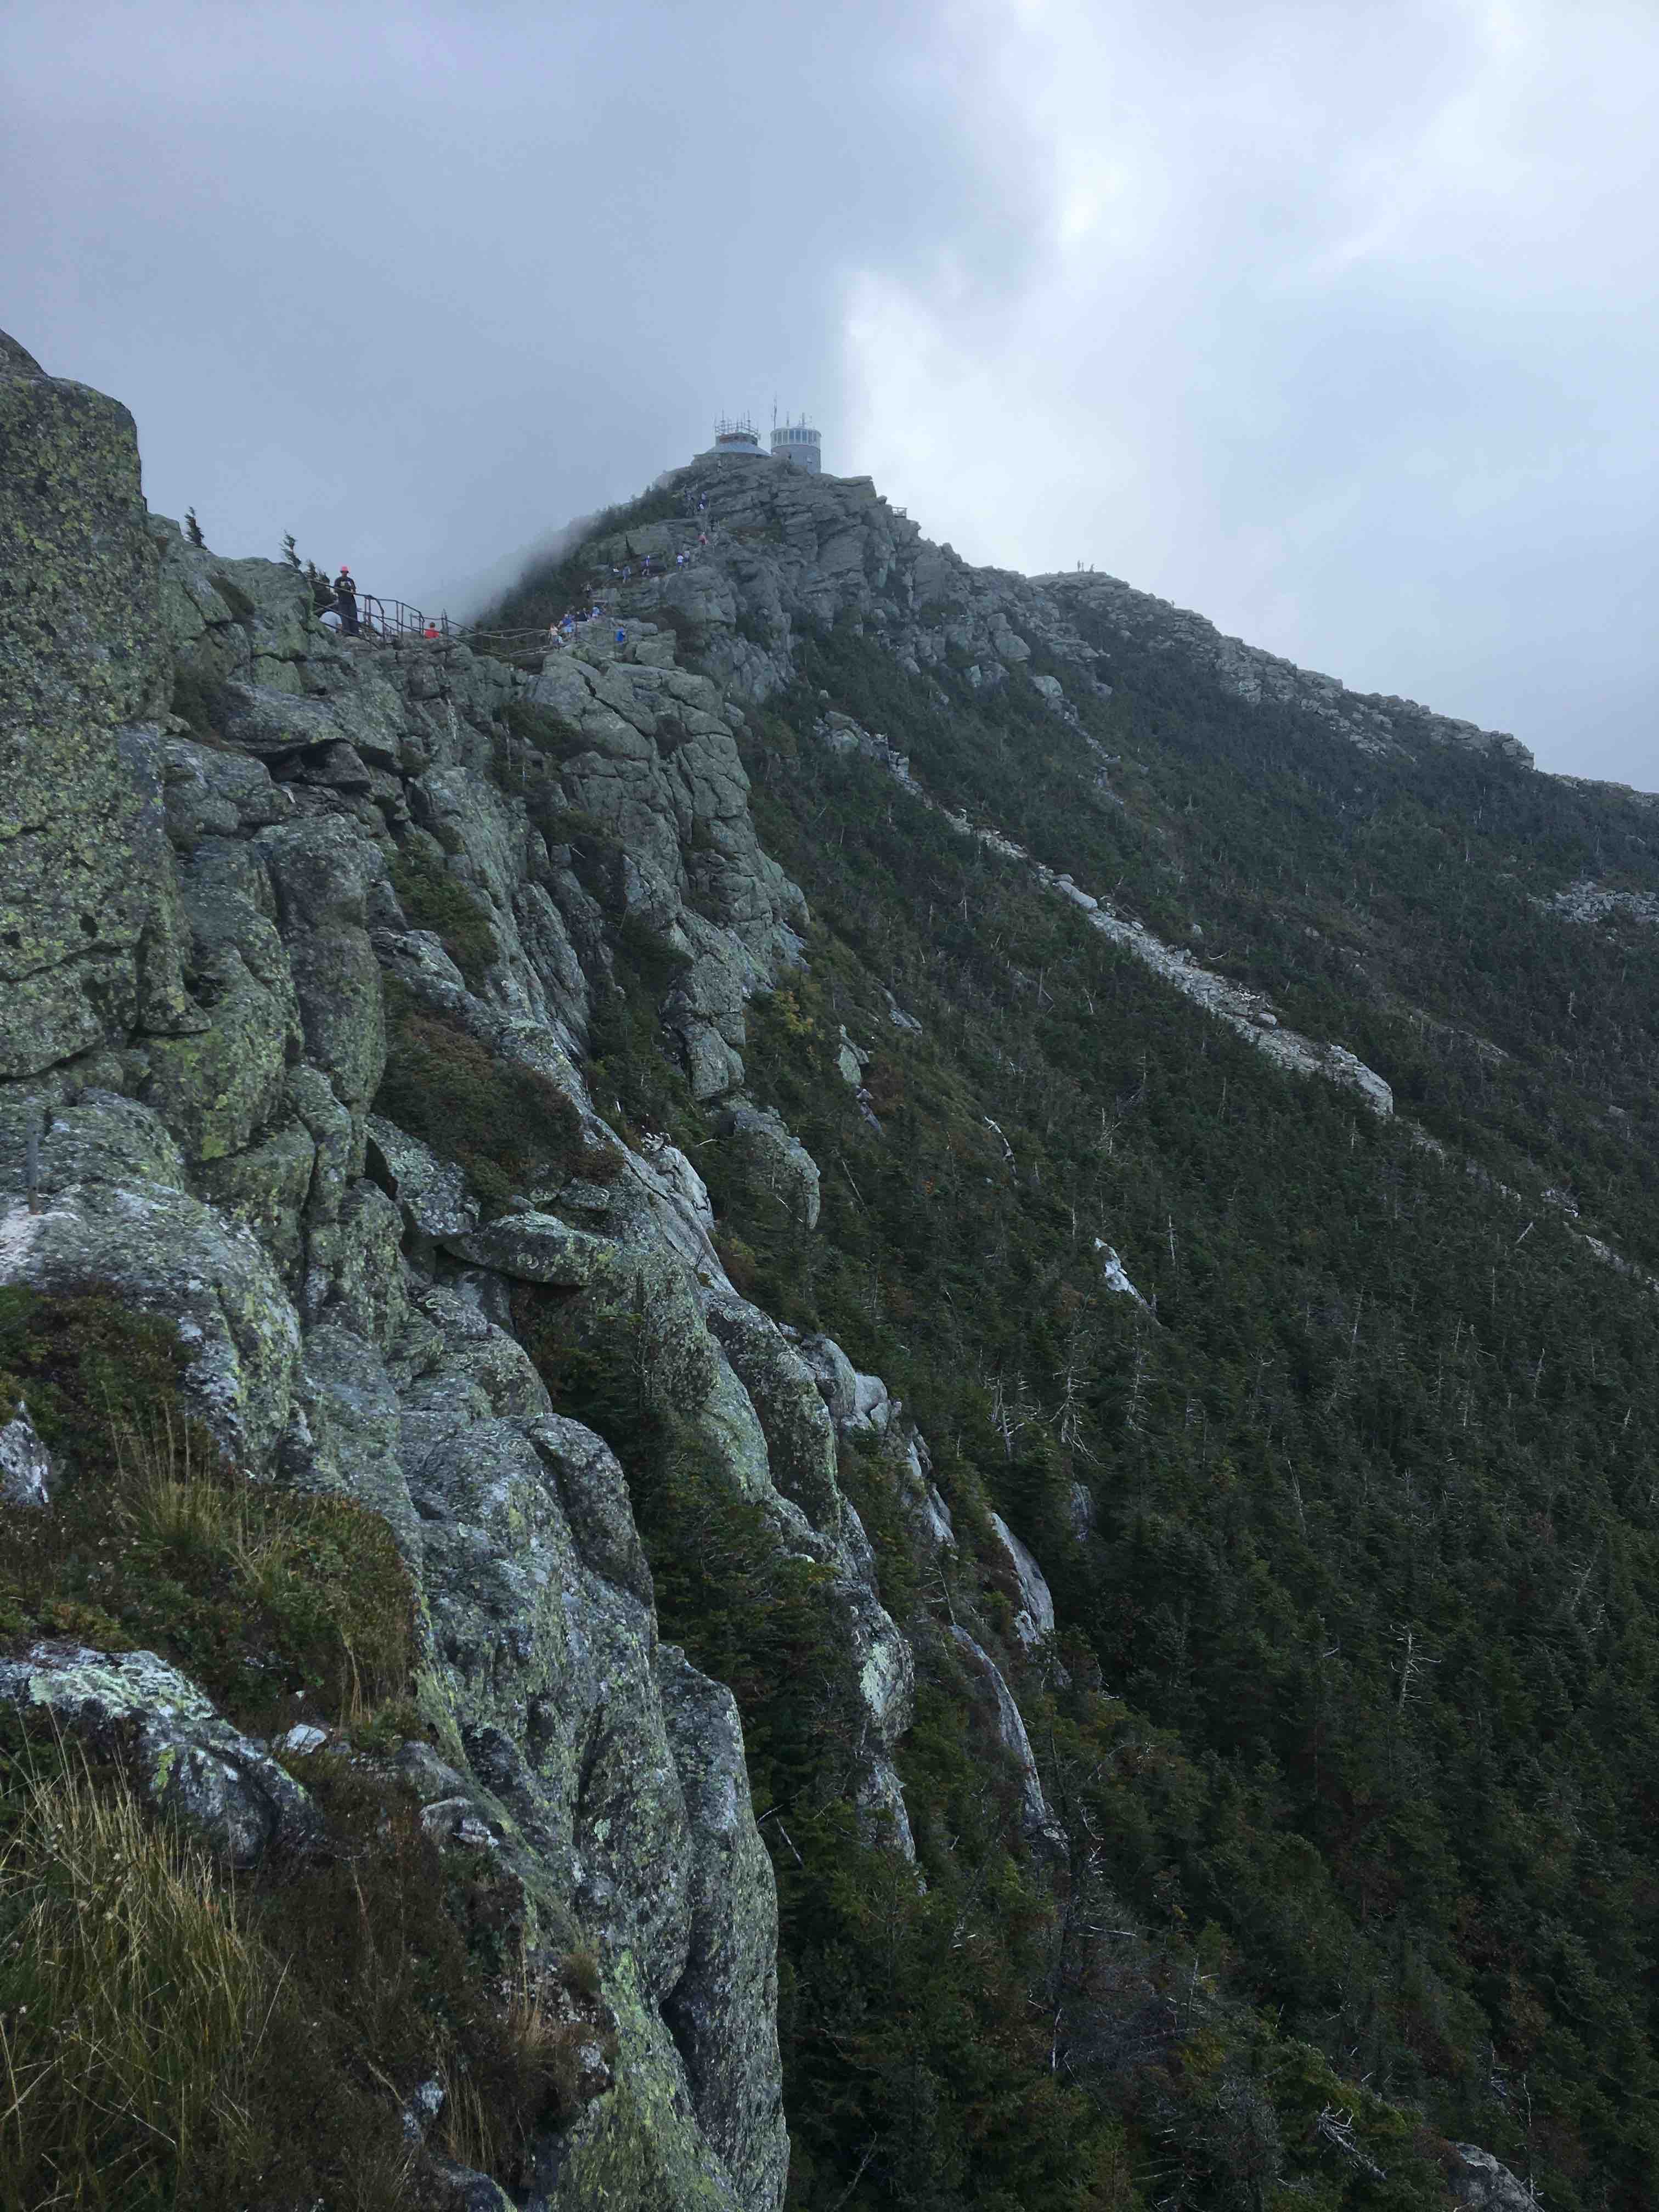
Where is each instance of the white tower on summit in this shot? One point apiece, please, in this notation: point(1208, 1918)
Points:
point(798, 442)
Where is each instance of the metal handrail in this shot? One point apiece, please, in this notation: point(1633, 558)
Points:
point(381, 617)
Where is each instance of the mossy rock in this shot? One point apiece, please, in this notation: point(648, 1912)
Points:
point(433, 899)
point(273, 1601)
point(547, 732)
point(510, 1127)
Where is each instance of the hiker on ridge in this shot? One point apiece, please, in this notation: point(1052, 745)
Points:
point(345, 598)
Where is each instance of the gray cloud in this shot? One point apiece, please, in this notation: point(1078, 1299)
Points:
point(1332, 321)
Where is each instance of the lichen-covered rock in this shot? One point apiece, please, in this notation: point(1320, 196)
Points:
point(271, 724)
point(550, 1674)
point(207, 792)
point(1034, 1614)
point(1485, 2184)
point(723, 2010)
point(266, 1188)
point(345, 1432)
point(188, 1761)
point(638, 2146)
point(354, 1269)
point(219, 1087)
point(430, 1194)
point(800, 1438)
point(25, 1463)
point(88, 935)
point(488, 1355)
point(986, 1683)
point(760, 1136)
point(84, 1134)
point(648, 754)
point(594, 1491)
point(309, 1096)
point(249, 621)
point(858, 1404)
point(323, 871)
point(608, 1774)
point(164, 1252)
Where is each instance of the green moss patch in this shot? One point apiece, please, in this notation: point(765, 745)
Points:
point(433, 899)
point(406, 1963)
point(511, 1128)
point(202, 702)
point(544, 731)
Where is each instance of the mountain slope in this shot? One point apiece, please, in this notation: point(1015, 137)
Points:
point(1372, 1509)
point(913, 1318)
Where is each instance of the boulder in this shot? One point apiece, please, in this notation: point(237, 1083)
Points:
point(431, 1194)
point(858, 1404)
point(1034, 1616)
point(25, 1463)
point(1485, 2185)
point(760, 1136)
point(272, 724)
point(184, 1759)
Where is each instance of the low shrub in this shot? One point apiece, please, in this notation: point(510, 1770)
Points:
point(510, 1127)
point(544, 731)
point(436, 900)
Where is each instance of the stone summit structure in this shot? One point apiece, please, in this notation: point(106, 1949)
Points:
point(737, 439)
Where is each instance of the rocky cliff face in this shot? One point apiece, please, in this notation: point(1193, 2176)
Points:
point(213, 951)
point(88, 937)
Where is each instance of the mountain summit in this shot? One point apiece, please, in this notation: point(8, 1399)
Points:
point(838, 1393)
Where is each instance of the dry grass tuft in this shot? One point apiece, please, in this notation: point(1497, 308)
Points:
point(173, 1495)
point(133, 2004)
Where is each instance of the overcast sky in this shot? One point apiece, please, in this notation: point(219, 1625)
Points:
point(1333, 320)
